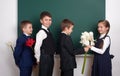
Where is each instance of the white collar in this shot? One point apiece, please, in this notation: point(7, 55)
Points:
point(102, 35)
point(44, 27)
point(64, 33)
point(26, 34)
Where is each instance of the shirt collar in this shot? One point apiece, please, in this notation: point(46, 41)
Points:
point(102, 35)
point(64, 33)
point(26, 34)
point(45, 28)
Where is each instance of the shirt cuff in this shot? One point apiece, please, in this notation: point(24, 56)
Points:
point(38, 58)
point(92, 48)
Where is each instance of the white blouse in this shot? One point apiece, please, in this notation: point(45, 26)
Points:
point(41, 35)
point(106, 43)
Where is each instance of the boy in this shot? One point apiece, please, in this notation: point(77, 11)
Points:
point(67, 52)
point(23, 54)
point(45, 47)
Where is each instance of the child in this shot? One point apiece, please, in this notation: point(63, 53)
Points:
point(102, 60)
point(45, 47)
point(23, 54)
point(67, 52)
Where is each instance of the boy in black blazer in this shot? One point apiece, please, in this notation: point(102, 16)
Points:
point(67, 51)
point(23, 54)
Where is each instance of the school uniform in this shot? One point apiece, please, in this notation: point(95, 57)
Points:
point(24, 56)
point(67, 55)
point(102, 60)
point(44, 51)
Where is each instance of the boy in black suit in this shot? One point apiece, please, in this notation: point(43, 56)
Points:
point(23, 54)
point(67, 52)
point(44, 46)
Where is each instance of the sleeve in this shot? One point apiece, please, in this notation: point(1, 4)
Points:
point(41, 35)
point(18, 50)
point(105, 46)
point(79, 51)
point(69, 46)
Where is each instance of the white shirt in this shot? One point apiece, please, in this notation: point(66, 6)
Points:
point(106, 43)
point(41, 35)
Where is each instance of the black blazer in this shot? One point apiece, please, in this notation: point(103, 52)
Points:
point(67, 52)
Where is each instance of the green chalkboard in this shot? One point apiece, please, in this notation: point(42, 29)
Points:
point(84, 13)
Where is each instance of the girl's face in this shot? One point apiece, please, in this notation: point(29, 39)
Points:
point(46, 21)
point(102, 29)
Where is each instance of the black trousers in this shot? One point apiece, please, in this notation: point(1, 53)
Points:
point(67, 72)
point(46, 65)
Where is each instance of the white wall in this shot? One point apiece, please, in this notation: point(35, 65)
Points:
point(8, 32)
point(113, 15)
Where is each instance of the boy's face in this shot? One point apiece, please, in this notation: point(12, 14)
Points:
point(46, 21)
point(28, 29)
point(69, 30)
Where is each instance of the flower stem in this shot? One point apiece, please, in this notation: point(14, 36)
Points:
point(83, 67)
point(11, 47)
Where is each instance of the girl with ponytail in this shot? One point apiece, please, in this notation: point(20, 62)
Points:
point(102, 60)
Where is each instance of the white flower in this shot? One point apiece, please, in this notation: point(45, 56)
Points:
point(91, 33)
point(86, 42)
point(92, 43)
point(10, 44)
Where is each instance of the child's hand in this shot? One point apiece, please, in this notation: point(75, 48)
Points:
point(89, 46)
point(34, 67)
point(86, 49)
point(37, 63)
point(17, 65)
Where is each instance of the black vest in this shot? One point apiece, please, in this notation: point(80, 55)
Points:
point(48, 45)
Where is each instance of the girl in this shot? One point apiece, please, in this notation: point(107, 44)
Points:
point(102, 60)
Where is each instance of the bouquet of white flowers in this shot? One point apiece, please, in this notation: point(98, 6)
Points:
point(87, 38)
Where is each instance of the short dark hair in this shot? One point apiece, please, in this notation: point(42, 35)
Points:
point(45, 13)
point(24, 23)
point(66, 23)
